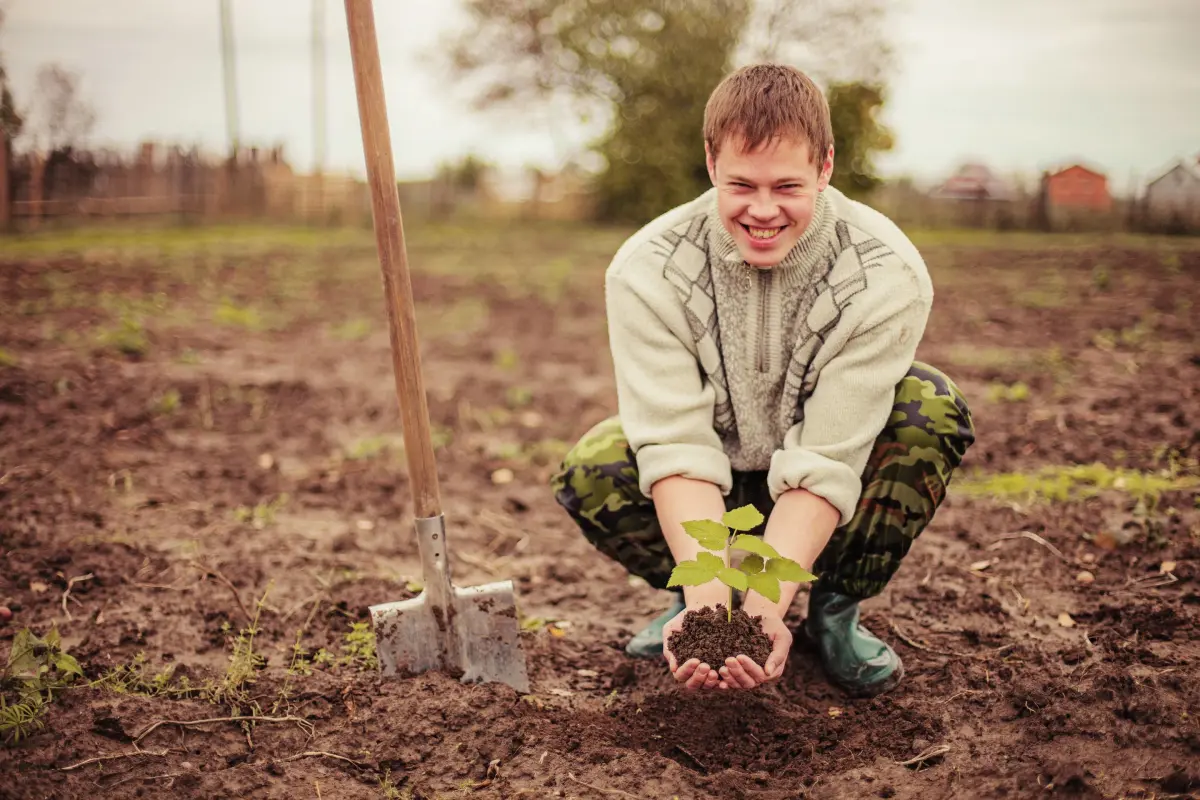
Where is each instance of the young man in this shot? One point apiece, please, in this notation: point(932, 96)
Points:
point(763, 338)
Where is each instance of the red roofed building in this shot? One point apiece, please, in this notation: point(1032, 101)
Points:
point(974, 181)
point(1077, 188)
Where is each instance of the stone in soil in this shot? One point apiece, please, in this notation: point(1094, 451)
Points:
point(709, 635)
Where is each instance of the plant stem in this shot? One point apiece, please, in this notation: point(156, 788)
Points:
point(729, 607)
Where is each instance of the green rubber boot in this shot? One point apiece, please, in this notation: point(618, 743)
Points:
point(648, 643)
point(856, 660)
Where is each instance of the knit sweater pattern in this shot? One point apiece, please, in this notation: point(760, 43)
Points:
point(722, 366)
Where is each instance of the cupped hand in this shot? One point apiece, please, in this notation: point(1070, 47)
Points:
point(742, 673)
point(692, 674)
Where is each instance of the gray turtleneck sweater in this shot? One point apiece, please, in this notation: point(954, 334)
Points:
point(792, 370)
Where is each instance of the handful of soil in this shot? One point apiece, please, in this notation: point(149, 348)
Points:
point(708, 635)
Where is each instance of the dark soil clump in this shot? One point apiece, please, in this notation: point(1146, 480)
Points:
point(709, 635)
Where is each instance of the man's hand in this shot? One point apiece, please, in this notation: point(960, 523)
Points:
point(691, 673)
point(743, 673)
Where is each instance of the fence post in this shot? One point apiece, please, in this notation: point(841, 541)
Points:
point(5, 195)
point(37, 188)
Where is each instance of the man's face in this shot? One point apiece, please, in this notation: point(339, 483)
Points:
point(766, 196)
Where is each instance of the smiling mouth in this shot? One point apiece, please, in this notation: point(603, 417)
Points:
point(762, 234)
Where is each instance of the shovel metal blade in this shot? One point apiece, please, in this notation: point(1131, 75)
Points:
point(478, 637)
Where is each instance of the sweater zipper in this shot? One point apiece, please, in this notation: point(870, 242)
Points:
point(764, 278)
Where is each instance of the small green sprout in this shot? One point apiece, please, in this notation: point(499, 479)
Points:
point(761, 570)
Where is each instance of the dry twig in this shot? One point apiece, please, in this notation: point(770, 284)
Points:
point(212, 573)
point(1033, 537)
point(67, 593)
point(171, 775)
point(323, 754)
point(112, 757)
point(613, 792)
point(1147, 582)
point(192, 723)
point(955, 654)
point(490, 567)
point(931, 753)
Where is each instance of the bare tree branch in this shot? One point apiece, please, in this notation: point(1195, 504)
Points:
point(58, 117)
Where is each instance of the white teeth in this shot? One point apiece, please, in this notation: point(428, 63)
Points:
point(764, 233)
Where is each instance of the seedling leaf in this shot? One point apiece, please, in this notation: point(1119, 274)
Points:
point(753, 544)
point(696, 573)
point(710, 534)
point(733, 578)
point(67, 665)
point(766, 585)
point(22, 663)
point(752, 564)
point(785, 569)
point(745, 518)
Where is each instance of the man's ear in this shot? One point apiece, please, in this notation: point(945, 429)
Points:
point(826, 170)
point(711, 163)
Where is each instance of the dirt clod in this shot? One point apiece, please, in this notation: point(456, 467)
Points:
point(712, 635)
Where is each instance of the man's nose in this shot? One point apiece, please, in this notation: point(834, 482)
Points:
point(763, 207)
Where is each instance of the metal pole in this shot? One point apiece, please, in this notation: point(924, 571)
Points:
point(318, 77)
point(318, 45)
point(229, 65)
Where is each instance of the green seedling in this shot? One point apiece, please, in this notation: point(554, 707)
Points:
point(37, 668)
point(761, 570)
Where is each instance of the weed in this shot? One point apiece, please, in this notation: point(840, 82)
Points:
point(352, 330)
point(244, 664)
point(358, 647)
point(36, 669)
point(761, 570)
point(7, 359)
point(1078, 482)
point(1101, 277)
point(300, 664)
point(168, 402)
point(230, 313)
point(1005, 393)
point(1131, 337)
point(372, 447)
point(263, 514)
point(507, 359)
point(136, 678)
point(390, 790)
point(1052, 293)
point(128, 337)
point(519, 396)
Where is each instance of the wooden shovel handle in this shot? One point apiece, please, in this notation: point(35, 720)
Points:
point(393, 260)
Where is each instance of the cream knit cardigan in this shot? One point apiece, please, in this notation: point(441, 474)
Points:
point(792, 370)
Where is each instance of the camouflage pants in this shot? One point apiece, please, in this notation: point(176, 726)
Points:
point(904, 482)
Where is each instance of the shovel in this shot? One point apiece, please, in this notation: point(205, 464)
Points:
point(470, 632)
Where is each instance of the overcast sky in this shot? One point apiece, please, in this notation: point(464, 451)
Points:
point(1021, 85)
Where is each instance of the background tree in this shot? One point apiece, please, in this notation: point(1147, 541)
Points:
point(646, 67)
point(59, 118)
point(10, 119)
point(858, 135)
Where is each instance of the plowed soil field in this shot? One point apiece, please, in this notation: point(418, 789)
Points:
point(203, 489)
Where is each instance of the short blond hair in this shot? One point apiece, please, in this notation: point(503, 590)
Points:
point(762, 102)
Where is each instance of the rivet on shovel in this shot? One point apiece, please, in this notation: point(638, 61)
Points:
point(470, 632)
